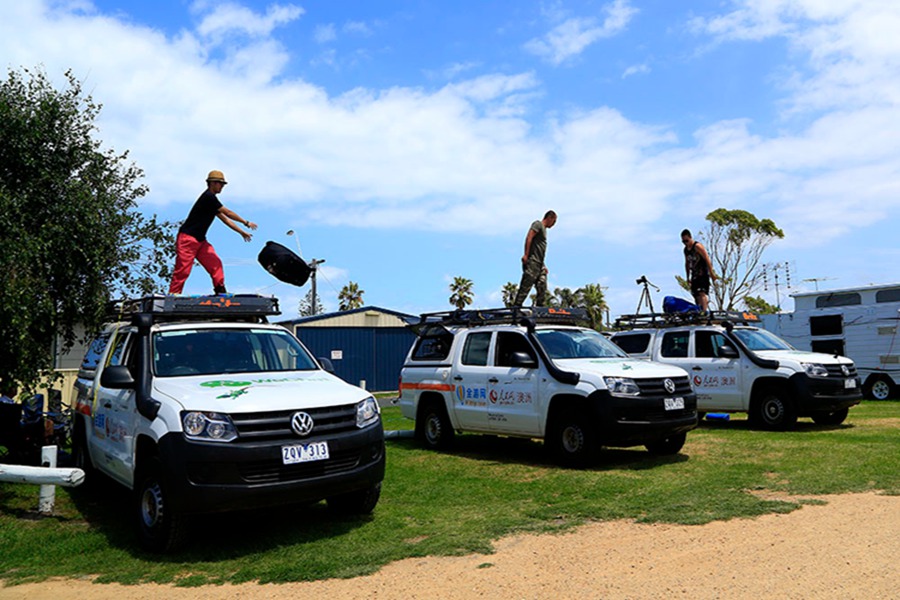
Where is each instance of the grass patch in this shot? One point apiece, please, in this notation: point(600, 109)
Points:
point(459, 502)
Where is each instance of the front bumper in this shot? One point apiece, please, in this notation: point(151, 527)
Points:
point(635, 421)
point(212, 477)
point(823, 394)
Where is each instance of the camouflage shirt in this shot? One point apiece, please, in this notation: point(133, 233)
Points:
point(538, 242)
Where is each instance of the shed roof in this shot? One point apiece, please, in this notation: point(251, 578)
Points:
point(355, 317)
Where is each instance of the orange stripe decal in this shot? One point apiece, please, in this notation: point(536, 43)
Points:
point(436, 387)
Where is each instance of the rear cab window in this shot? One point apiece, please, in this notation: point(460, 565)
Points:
point(633, 343)
point(434, 343)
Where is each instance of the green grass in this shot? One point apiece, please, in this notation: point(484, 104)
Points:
point(459, 502)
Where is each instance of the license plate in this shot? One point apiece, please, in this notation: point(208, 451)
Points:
point(850, 383)
point(673, 403)
point(300, 453)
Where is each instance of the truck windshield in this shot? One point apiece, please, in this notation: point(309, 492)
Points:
point(216, 351)
point(760, 339)
point(577, 343)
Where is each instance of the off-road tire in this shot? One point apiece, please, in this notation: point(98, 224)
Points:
point(830, 418)
point(572, 439)
point(433, 427)
point(667, 446)
point(773, 409)
point(160, 528)
point(360, 502)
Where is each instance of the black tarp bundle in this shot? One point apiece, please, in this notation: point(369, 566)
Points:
point(284, 264)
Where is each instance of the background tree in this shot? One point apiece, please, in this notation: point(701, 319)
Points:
point(305, 307)
point(759, 306)
point(509, 293)
point(350, 296)
point(565, 298)
point(70, 230)
point(461, 292)
point(592, 299)
point(735, 241)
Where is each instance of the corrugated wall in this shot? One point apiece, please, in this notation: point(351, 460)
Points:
point(373, 354)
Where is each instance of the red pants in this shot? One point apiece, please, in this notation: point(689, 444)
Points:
point(187, 249)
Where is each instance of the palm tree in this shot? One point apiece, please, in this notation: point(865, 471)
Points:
point(566, 298)
point(509, 293)
point(462, 292)
point(350, 296)
point(593, 300)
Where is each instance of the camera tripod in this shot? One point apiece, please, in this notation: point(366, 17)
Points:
point(645, 294)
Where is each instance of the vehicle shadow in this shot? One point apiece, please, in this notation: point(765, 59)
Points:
point(745, 425)
point(107, 507)
point(530, 452)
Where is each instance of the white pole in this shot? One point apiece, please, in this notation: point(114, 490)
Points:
point(47, 497)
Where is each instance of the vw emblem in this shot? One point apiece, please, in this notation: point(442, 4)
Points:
point(301, 423)
point(669, 385)
point(845, 370)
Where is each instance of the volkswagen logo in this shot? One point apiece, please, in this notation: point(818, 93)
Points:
point(301, 423)
point(669, 385)
point(845, 370)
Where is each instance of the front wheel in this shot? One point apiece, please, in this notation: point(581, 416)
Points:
point(830, 418)
point(361, 502)
point(160, 527)
point(774, 410)
point(433, 427)
point(667, 446)
point(572, 441)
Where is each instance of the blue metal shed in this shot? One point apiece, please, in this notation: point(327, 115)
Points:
point(366, 344)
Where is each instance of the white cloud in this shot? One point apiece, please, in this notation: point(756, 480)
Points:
point(325, 33)
point(641, 69)
point(229, 18)
point(572, 36)
point(357, 28)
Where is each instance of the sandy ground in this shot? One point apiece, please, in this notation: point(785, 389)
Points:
point(848, 547)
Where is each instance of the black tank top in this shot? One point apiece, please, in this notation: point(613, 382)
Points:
point(695, 261)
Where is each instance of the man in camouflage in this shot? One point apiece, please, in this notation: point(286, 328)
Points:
point(534, 273)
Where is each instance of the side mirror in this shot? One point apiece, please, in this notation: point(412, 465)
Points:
point(522, 360)
point(326, 364)
point(728, 352)
point(117, 377)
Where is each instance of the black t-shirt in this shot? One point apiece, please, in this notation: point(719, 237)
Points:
point(201, 216)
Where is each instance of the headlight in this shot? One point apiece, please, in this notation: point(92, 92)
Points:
point(815, 369)
point(367, 412)
point(622, 386)
point(208, 427)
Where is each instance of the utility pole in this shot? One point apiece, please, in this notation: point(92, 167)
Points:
point(314, 265)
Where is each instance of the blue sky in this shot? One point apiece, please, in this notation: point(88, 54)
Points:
point(408, 142)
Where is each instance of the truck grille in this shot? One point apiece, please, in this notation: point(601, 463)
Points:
point(656, 387)
point(267, 472)
point(260, 426)
point(836, 371)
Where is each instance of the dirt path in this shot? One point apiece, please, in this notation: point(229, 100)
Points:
point(846, 548)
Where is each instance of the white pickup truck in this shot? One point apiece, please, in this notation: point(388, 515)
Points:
point(531, 372)
point(197, 404)
point(742, 368)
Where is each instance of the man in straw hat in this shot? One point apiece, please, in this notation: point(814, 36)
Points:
point(191, 242)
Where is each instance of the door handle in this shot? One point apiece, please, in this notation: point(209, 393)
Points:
point(457, 378)
point(696, 368)
point(493, 380)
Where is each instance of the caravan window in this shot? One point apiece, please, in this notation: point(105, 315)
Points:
point(832, 300)
point(826, 325)
point(891, 295)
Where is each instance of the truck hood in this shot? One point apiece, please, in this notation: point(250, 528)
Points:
point(258, 392)
point(800, 356)
point(619, 367)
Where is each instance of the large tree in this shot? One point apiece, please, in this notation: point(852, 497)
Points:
point(71, 234)
point(461, 292)
point(592, 299)
point(508, 293)
point(350, 296)
point(306, 305)
point(735, 241)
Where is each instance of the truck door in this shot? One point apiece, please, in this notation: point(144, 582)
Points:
point(470, 378)
point(716, 380)
point(114, 419)
point(512, 390)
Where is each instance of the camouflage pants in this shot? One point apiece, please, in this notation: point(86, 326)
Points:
point(532, 275)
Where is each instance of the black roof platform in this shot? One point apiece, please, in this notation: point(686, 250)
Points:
point(680, 319)
point(518, 315)
point(236, 307)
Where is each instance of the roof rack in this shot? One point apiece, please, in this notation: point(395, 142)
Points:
point(691, 317)
point(224, 306)
point(495, 316)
